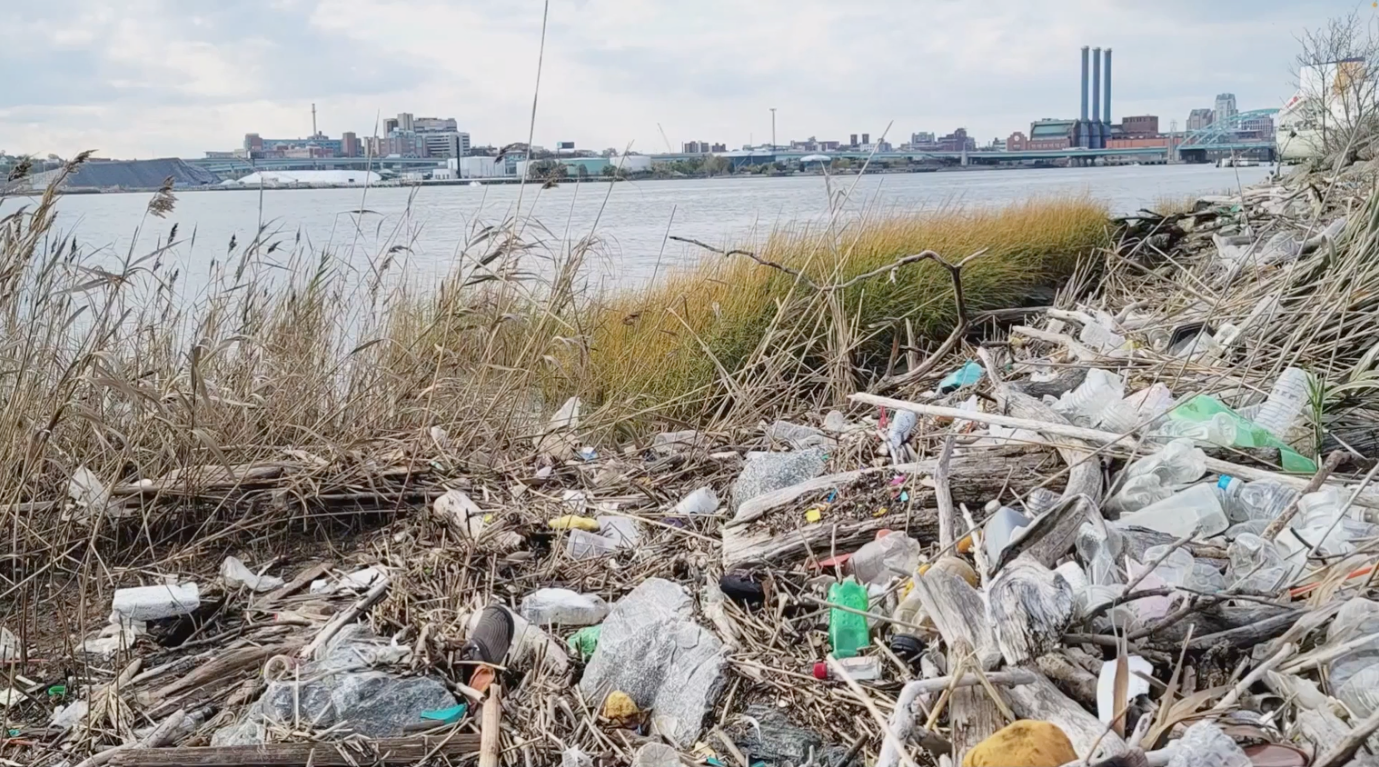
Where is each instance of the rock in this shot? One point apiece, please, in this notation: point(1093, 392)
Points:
point(1204, 745)
point(656, 755)
point(766, 734)
point(765, 472)
point(798, 437)
point(1027, 742)
point(651, 650)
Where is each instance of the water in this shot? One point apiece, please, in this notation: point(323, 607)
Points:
point(630, 220)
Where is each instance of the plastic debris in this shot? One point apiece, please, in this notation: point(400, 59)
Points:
point(562, 607)
point(151, 603)
point(701, 501)
point(573, 522)
point(236, 575)
point(1025, 742)
point(970, 373)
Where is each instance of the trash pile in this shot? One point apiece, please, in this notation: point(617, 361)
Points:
point(1138, 528)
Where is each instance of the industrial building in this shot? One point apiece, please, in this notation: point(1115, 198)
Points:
point(291, 178)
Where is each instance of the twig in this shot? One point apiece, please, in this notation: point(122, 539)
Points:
point(1254, 676)
point(861, 695)
point(1332, 461)
point(339, 621)
point(1346, 749)
point(489, 729)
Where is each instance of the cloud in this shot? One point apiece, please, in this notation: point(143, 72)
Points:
point(158, 77)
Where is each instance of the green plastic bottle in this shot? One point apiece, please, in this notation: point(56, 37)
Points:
point(847, 632)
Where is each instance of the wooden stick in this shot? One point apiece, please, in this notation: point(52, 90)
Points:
point(383, 752)
point(338, 622)
point(861, 695)
point(1346, 749)
point(1254, 676)
point(490, 729)
point(160, 736)
point(1332, 461)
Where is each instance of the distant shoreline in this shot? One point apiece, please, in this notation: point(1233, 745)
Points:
point(503, 181)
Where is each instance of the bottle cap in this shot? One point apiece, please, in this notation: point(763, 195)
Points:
point(821, 670)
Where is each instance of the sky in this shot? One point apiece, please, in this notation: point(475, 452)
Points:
point(158, 78)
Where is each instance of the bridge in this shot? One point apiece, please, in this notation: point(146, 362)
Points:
point(229, 166)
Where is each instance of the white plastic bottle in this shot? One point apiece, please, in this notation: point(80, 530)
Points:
point(1262, 499)
point(1138, 492)
point(1285, 402)
point(1178, 463)
point(1194, 511)
point(562, 607)
point(1089, 400)
point(1040, 500)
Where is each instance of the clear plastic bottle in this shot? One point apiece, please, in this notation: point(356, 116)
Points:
point(1100, 337)
point(1220, 429)
point(1138, 492)
point(1261, 499)
point(893, 555)
point(1101, 551)
point(1285, 403)
point(1257, 564)
point(1086, 403)
point(1040, 500)
point(1180, 462)
point(1194, 511)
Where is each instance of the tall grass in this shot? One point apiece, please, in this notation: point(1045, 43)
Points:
point(283, 359)
point(673, 342)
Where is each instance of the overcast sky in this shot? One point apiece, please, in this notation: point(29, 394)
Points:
point(149, 78)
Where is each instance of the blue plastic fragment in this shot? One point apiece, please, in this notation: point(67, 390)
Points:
point(970, 373)
point(446, 715)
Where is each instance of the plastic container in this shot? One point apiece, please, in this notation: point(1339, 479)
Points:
point(1101, 338)
point(1100, 552)
point(1138, 492)
point(151, 603)
point(585, 545)
point(999, 529)
point(1261, 499)
point(1040, 501)
point(562, 607)
point(902, 423)
point(1177, 463)
point(1285, 403)
point(847, 631)
point(1219, 429)
point(893, 555)
point(1257, 564)
point(862, 668)
point(701, 501)
point(1176, 569)
point(1195, 511)
point(1086, 404)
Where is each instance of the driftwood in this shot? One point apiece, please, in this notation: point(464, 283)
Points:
point(959, 614)
point(354, 753)
point(1041, 700)
point(1076, 682)
point(1030, 607)
point(974, 480)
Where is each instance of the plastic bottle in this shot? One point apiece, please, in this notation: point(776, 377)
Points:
point(1100, 337)
point(1261, 499)
point(562, 607)
point(1194, 511)
point(1257, 564)
point(586, 545)
point(1155, 477)
point(1178, 463)
point(1041, 500)
point(1085, 404)
point(1101, 551)
point(889, 556)
point(1285, 403)
point(999, 529)
point(847, 631)
point(902, 423)
point(1219, 429)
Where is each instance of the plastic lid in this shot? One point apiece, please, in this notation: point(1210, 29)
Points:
point(821, 670)
point(1225, 481)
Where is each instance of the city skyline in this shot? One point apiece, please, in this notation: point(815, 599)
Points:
point(171, 81)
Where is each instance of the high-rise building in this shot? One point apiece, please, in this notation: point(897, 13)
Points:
point(866, 139)
point(1225, 108)
point(695, 147)
point(1198, 119)
point(405, 121)
point(443, 144)
point(349, 144)
point(724, 147)
point(440, 124)
point(389, 125)
point(852, 139)
point(1139, 125)
point(922, 137)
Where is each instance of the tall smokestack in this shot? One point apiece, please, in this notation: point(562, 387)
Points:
point(1084, 83)
point(1106, 100)
point(1096, 98)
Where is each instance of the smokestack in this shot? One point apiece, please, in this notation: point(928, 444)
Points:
point(1106, 101)
point(1096, 98)
point(1084, 83)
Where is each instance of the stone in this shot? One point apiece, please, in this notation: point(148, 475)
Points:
point(1027, 742)
point(765, 472)
point(619, 707)
point(651, 650)
point(1204, 745)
